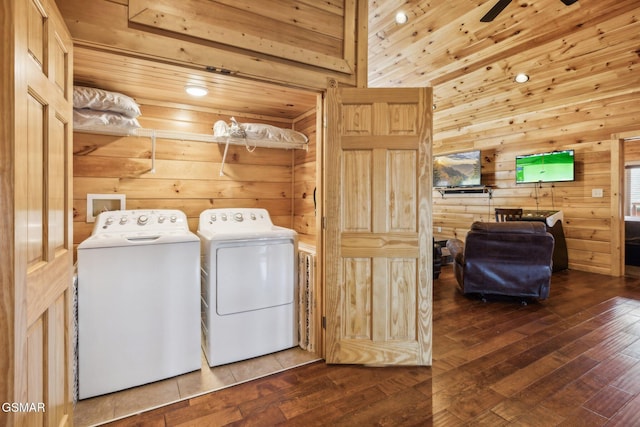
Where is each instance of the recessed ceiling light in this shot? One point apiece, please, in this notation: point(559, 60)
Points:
point(521, 78)
point(401, 18)
point(195, 90)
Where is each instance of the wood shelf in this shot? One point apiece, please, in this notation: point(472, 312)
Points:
point(188, 136)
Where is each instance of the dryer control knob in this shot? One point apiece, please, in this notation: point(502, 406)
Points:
point(109, 220)
point(123, 220)
point(224, 217)
point(161, 219)
point(143, 219)
point(213, 218)
point(173, 218)
point(238, 217)
point(253, 216)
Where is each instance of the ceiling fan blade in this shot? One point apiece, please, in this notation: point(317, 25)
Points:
point(495, 10)
point(569, 2)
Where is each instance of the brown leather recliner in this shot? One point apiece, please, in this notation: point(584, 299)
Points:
point(511, 258)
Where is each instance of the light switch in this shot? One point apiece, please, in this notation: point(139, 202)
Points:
point(597, 192)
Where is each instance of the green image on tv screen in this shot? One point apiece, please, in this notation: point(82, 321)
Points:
point(546, 167)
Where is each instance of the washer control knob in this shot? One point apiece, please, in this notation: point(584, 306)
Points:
point(214, 218)
point(173, 218)
point(238, 217)
point(224, 217)
point(253, 216)
point(109, 221)
point(123, 220)
point(143, 219)
point(161, 219)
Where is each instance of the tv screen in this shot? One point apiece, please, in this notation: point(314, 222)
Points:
point(457, 170)
point(556, 166)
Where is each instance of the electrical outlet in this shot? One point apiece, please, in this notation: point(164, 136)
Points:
point(597, 192)
point(439, 229)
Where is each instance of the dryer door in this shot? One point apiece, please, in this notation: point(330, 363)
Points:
point(254, 275)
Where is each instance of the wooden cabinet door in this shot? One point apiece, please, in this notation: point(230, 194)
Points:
point(36, 215)
point(378, 226)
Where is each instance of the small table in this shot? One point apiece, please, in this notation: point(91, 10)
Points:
point(446, 255)
point(553, 221)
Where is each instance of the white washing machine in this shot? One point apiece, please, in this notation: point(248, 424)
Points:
point(248, 285)
point(138, 301)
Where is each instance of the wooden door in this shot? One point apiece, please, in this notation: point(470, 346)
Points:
point(36, 215)
point(378, 232)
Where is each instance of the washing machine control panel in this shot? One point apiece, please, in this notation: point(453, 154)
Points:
point(157, 220)
point(235, 219)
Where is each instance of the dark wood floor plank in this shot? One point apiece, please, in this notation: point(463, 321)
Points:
point(581, 417)
point(217, 418)
point(571, 360)
point(406, 407)
point(511, 408)
point(271, 416)
point(613, 368)
point(628, 415)
point(472, 402)
point(608, 401)
point(526, 375)
point(630, 381)
point(555, 381)
point(577, 392)
point(538, 416)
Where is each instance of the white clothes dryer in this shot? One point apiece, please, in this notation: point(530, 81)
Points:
point(248, 290)
point(138, 301)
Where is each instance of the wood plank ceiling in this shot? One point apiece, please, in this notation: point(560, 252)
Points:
point(588, 50)
point(589, 46)
point(159, 83)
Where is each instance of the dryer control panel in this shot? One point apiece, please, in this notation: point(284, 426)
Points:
point(156, 220)
point(241, 219)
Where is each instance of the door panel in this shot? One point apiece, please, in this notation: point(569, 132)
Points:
point(39, 254)
point(378, 271)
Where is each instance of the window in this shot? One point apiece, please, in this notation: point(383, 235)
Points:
point(632, 190)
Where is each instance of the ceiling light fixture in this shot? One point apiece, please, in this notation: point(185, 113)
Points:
point(195, 90)
point(401, 18)
point(521, 78)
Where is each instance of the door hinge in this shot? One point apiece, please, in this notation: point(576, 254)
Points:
point(324, 222)
point(324, 322)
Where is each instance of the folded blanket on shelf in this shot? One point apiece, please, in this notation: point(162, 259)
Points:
point(257, 131)
point(103, 100)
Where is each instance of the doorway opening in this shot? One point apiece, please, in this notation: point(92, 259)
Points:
point(631, 205)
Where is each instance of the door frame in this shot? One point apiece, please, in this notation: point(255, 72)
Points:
point(617, 199)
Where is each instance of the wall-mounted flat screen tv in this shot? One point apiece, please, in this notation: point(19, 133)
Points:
point(555, 166)
point(457, 170)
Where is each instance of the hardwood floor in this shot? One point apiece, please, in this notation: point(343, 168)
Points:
point(572, 360)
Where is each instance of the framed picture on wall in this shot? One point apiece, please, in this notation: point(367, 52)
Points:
point(97, 203)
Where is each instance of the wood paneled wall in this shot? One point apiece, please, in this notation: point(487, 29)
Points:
point(584, 86)
point(587, 126)
point(187, 174)
point(578, 98)
point(587, 220)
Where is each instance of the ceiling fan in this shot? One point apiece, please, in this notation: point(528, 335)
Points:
point(501, 4)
